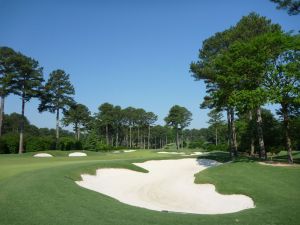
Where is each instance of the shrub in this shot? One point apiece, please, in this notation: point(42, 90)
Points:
point(220, 147)
point(9, 143)
point(275, 150)
point(103, 147)
point(196, 144)
point(92, 142)
point(66, 144)
point(34, 144)
point(3, 148)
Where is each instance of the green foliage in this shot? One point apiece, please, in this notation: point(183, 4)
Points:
point(178, 117)
point(9, 143)
point(34, 144)
point(79, 116)
point(219, 147)
point(12, 123)
point(57, 93)
point(214, 65)
point(115, 124)
point(271, 127)
point(150, 118)
point(27, 77)
point(105, 113)
point(104, 147)
point(6, 69)
point(292, 6)
point(66, 144)
point(93, 142)
point(196, 144)
point(295, 133)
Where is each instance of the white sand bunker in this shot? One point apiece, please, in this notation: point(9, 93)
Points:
point(169, 186)
point(197, 153)
point(131, 150)
point(276, 164)
point(77, 154)
point(42, 155)
point(175, 153)
point(193, 154)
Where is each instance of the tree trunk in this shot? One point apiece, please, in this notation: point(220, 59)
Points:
point(117, 137)
point(130, 143)
point(126, 138)
point(177, 139)
point(262, 151)
point(106, 131)
point(286, 123)
point(78, 133)
point(233, 134)
point(216, 136)
point(57, 128)
point(138, 137)
point(252, 146)
point(229, 133)
point(21, 142)
point(149, 137)
point(1, 114)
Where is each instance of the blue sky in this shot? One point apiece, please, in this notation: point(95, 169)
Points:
point(129, 53)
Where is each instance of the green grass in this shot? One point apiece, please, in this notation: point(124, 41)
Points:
point(42, 191)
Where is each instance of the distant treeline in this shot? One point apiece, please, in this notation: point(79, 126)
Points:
point(101, 135)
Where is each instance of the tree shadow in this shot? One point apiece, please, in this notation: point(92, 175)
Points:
point(224, 157)
point(284, 158)
point(217, 156)
point(207, 162)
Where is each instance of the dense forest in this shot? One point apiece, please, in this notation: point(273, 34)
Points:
point(245, 67)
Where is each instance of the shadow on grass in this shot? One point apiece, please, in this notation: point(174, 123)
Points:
point(218, 156)
point(224, 157)
point(284, 158)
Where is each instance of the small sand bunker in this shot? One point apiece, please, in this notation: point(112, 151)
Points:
point(194, 153)
point(169, 185)
point(276, 164)
point(77, 154)
point(129, 150)
point(197, 153)
point(175, 153)
point(42, 155)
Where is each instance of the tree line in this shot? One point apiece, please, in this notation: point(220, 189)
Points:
point(114, 126)
point(131, 127)
point(247, 66)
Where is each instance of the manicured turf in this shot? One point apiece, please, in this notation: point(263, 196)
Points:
point(42, 191)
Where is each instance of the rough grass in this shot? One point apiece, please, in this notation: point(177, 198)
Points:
point(42, 191)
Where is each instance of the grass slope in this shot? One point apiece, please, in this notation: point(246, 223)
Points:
point(42, 191)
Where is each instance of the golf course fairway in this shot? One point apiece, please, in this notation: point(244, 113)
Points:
point(43, 191)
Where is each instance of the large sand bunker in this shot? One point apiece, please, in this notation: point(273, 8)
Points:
point(169, 186)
